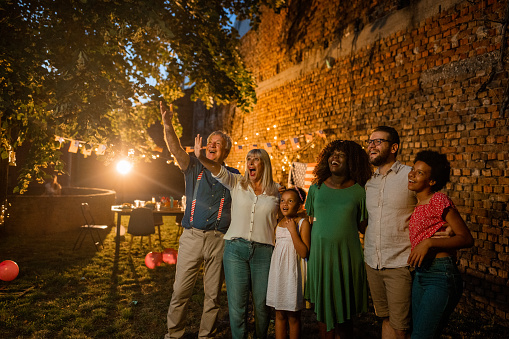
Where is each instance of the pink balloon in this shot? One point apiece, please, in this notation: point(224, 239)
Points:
point(170, 256)
point(8, 270)
point(153, 259)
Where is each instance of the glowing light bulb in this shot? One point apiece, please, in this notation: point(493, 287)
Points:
point(124, 167)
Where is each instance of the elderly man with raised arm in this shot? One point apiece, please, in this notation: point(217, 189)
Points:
point(206, 219)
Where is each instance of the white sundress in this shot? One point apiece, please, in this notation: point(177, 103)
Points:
point(285, 286)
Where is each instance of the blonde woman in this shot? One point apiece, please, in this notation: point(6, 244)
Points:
point(249, 240)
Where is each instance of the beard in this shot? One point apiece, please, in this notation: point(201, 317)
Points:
point(380, 159)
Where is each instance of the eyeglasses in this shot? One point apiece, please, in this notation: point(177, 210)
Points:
point(376, 142)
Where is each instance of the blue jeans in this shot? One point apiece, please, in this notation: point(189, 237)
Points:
point(436, 291)
point(246, 268)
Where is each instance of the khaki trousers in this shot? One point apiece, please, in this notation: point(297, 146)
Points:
point(197, 247)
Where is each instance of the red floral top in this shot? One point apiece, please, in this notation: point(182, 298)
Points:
point(429, 218)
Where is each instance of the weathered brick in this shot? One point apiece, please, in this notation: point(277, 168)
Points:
point(424, 81)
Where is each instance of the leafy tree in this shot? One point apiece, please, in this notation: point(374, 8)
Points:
point(79, 69)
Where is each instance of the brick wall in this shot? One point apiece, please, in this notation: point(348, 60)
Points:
point(419, 67)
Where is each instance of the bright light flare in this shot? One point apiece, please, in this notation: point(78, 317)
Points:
point(124, 167)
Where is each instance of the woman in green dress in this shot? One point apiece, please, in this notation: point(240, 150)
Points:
point(336, 204)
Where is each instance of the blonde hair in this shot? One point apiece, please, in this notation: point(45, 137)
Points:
point(268, 184)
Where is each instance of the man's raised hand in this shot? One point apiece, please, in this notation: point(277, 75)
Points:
point(166, 113)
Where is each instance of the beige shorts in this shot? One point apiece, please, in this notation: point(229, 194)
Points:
point(391, 292)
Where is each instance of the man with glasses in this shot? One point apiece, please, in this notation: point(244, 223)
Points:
point(206, 219)
point(386, 242)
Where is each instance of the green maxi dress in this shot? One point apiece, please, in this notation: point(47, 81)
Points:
point(336, 277)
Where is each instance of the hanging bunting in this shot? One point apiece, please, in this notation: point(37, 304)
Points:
point(73, 147)
point(321, 134)
point(87, 150)
point(295, 143)
point(280, 145)
point(60, 140)
point(100, 149)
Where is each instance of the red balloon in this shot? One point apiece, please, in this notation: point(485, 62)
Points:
point(8, 270)
point(153, 259)
point(170, 256)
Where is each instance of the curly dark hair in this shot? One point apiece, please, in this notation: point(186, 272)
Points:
point(358, 162)
point(301, 194)
point(440, 167)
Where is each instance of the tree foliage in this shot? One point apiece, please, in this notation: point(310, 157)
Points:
point(79, 69)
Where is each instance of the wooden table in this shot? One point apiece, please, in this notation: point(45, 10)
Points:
point(176, 212)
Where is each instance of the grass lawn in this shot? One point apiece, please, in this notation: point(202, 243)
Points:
point(61, 293)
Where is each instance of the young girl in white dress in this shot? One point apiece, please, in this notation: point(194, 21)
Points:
point(285, 287)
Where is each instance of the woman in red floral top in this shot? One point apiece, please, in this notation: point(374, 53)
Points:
point(437, 285)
